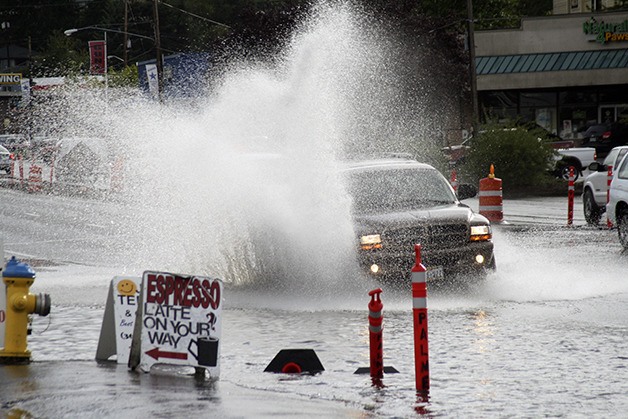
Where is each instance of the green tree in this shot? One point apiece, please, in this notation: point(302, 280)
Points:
point(521, 157)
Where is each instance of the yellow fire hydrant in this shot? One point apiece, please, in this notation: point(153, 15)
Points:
point(18, 277)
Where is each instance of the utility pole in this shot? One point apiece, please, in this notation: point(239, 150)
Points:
point(472, 74)
point(126, 35)
point(160, 64)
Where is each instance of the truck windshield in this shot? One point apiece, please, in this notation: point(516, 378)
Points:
point(399, 189)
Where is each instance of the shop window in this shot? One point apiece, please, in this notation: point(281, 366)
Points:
point(505, 99)
point(573, 121)
point(587, 97)
point(613, 95)
point(540, 99)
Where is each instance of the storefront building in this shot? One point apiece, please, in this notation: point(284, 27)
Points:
point(566, 72)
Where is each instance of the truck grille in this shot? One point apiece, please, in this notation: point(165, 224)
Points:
point(430, 237)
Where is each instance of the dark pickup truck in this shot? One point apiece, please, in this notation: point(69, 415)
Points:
point(399, 202)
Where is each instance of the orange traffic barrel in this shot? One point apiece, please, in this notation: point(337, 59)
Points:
point(491, 197)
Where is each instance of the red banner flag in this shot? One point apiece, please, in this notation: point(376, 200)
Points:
point(97, 57)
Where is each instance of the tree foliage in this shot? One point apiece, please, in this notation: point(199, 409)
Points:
point(521, 157)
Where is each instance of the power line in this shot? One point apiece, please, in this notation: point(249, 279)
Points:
point(195, 15)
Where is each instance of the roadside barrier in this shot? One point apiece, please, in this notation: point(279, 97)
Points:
point(34, 178)
point(117, 175)
point(419, 314)
point(609, 178)
point(376, 343)
point(21, 166)
point(570, 196)
point(52, 169)
point(454, 180)
point(491, 197)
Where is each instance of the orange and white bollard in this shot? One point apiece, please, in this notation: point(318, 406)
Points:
point(52, 170)
point(609, 179)
point(419, 314)
point(454, 180)
point(570, 196)
point(34, 178)
point(376, 343)
point(490, 194)
point(21, 167)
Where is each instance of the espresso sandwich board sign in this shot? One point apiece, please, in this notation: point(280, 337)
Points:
point(118, 321)
point(178, 322)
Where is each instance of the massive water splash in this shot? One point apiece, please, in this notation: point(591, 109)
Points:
point(242, 181)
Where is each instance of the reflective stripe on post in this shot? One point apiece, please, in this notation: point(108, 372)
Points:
point(570, 196)
point(454, 180)
point(419, 314)
point(490, 195)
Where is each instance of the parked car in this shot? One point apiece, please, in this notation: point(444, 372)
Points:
point(617, 207)
point(603, 137)
point(595, 188)
point(5, 159)
point(399, 202)
point(15, 143)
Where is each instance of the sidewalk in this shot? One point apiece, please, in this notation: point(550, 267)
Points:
point(538, 210)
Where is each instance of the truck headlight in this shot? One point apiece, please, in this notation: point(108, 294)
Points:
point(480, 233)
point(371, 241)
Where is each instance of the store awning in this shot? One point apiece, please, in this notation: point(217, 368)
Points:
point(553, 61)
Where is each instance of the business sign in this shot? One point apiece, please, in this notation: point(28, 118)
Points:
point(97, 57)
point(606, 32)
point(179, 322)
point(153, 79)
point(11, 79)
point(116, 333)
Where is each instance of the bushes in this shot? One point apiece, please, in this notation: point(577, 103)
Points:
point(521, 157)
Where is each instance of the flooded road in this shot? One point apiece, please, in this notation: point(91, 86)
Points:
point(544, 336)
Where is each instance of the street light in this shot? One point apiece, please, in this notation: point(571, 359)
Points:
point(70, 32)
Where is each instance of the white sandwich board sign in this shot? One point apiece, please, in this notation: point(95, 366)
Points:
point(179, 322)
point(116, 333)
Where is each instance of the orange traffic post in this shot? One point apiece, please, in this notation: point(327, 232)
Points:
point(609, 179)
point(491, 205)
point(570, 196)
point(21, 166)
point(419, 314)
point(52, 170)
point(34, 178)
point(376, 343)
point(454, 180)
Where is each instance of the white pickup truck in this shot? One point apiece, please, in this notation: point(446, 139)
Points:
point(594, 191)
point(578, 157)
